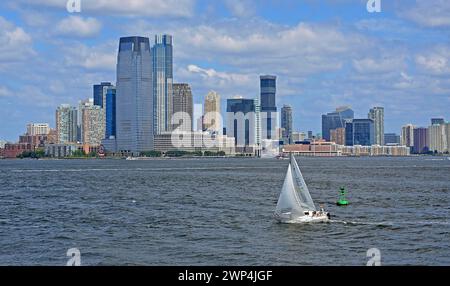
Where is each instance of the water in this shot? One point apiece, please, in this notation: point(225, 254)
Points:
point(219, 212)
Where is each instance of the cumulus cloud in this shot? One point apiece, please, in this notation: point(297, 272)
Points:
point(379, 65)
point(15, 43)
point(241, 8)
point(436, 61)
point(76, 26)
point(101, 57)
point(154, 8)
point(428, 13)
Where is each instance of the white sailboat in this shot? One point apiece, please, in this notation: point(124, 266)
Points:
point(295, 204)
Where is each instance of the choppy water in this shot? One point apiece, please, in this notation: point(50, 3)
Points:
point(219, 212)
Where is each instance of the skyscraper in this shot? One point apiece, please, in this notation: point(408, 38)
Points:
point(268, 86)
point(110, 113)
point(134, 100)
point(286, 122)
point(435, 121)
point(407, 135)
point(99, 93)
point(421, 140)
point(162, 53)
point(338, 136)
point(437, 138)
point(377, 115)
point(360, 132)
point(38, 129)
point(212, 117)
point(334, 120)
point(93, 118)
point(391, 138)
point(183, 106)
point(241, 123)
point(66, 124)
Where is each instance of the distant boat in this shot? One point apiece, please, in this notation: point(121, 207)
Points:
point(295, 204)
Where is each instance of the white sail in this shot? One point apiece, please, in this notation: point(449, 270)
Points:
point(289, 202)
point(303, 192)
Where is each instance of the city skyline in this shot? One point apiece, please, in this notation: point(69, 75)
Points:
point(71, 52)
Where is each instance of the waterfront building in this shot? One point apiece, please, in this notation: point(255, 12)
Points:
point(110, 113)
point(241, 124)
point(66, 124)
point(334, 120)
point(437, 138)
point(437, 121)
point(182, 107)
point(162, 53)
point(421, 140)
point(212, 120)
point(360, 132)
point(310, 135)
point(38, 129)
point(377, 115)
point(12, 150)
point(268, 107)
point(102, 94)
point(298, 137)
point(338, 136)
point(407, 135)
point(99, 93)
point(134, 96)
point(319, 148)
point(286, 123)
point(391, 138)
point(61, 150)
point(93, 119)
point(447, 132)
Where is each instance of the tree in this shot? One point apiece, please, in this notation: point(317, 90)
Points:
point(151, 154)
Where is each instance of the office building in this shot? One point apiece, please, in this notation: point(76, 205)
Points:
point(182, 107)
point(377, 115)
point(336, 119)
point(162, 53)
point(421, 140)
point(134, 100)
point(338, 136)
point(38, 129)
point(241, 124)
point(212, 119)
point(110, 113)
point(267, 101)
point(66, 124)
point(391, 138)
point(93, 118)
point(360, 132)
point(437, 138)
point(99, 93)
point(407, 135)
point(286, 123)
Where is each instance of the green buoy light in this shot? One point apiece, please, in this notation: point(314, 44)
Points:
point(342, 200)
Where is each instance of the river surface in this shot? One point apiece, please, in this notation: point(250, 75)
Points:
point(219, 212)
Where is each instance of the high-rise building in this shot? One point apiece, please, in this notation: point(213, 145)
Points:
point(241, 123)
point(310, 134)
point(182, 107)
point(336, 119)
point(360, 132)
point(421, 140)
point(437, 138)
point(212, 118)
point(110, 113)
point(391, 138)
point(338, 136)
point(407, 135)
point(377, 115)
point(286, 122)
point(99, 93)
point(38, 129)
point(66, 124)
point(268, 86)
point(298, 137)
point(134, 100)
point(162, 53)
point(435, 121)
point(92, 118)
point(447, 132)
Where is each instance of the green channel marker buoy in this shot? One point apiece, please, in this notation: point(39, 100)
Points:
point(342, 200)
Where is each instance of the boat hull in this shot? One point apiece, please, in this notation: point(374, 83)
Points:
point(325, 217)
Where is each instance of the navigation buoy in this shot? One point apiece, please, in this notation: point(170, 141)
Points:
point(342, 199)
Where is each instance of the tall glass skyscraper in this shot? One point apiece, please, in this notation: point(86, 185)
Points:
point(286, 122)
point(268, 85)
point(110, 113)
point(334, 120)
point(162, 53)
point(134, 100)
point(377, 115)
point(421, 140)
point(183, 105)
point(99, 94)
point(241, 121)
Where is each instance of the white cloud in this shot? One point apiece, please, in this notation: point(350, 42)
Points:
point(78, 27)
point(428, 13)
point(436, 61)
point(15, 43)
point(379, 65)
point(153, 8)
point(91, 58)
point(241, 8)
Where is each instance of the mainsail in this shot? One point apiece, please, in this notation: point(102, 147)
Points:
point(294, 198)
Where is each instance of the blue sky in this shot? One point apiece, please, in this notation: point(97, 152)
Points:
point(326, 53)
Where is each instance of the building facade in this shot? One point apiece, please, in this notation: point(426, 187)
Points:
point(391, 138)
point(286, 123)
point(182, 107)
point(110, 113)
point(134, 100)
point(377, 115)
point(267, 101)
point(421, 140)
point(360, 132)
point(241, 124)
point(66, 124)
point(162, 53)
point(38, 129)
point(338, 136)
point(407, 135)
point(212, 120)
point(93, 119)
point(334, 120)
point(99, 93)
point(437, 138)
